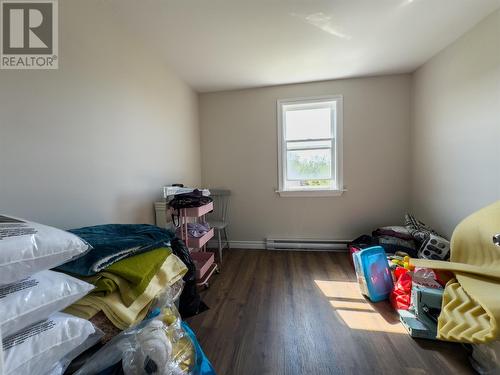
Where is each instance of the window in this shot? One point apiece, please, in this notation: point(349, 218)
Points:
point(310, 146)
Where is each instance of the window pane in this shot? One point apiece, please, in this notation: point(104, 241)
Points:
point(309, 165)
point(291, 145)
point(308, 123)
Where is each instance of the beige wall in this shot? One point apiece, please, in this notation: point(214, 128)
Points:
point(239, 152)
point(94, 141)
point(456, 128)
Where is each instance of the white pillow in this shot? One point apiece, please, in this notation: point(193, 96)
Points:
point(60, 367)
point(33, 299)
point(36, 349)
point(27, 248)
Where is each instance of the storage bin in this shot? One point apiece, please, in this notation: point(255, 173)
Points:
point(202, 261)
point(197, 242)
point(373, 274)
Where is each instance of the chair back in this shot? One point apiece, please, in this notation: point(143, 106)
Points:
point(221, 204)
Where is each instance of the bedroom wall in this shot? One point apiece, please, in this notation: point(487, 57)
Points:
point(239, 152)
point(94, 141)
point(456, 128)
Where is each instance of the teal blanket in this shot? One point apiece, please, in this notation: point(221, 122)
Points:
point(113, 242)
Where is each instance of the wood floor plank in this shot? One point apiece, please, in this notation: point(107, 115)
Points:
point(294, 313)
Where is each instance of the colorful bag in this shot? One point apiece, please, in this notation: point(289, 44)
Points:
point(401, 294)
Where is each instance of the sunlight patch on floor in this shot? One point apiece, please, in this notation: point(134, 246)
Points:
point(351, 305)
point(356, 312)
point(340, 289)
point(369, 321)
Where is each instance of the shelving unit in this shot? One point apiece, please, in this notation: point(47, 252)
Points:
point(204, 260)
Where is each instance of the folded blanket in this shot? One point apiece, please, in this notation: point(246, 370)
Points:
point(113, 242)
point(113, 307)
point(471, 304)
point(129, 276)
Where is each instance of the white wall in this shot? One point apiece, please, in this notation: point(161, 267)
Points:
point(456, 128)
point(94, 141)
point(239, 152)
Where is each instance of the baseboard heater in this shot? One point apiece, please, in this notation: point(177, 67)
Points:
point(306, 244)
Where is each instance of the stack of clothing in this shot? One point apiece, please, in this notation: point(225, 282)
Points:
point(414, 239)
point(129, 265)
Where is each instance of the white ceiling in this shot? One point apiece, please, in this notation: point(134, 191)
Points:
point(229, 44)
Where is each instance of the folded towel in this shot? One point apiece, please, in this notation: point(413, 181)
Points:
point(471, 306)
point(118, 313)
point(113, 242)
point(129, 276)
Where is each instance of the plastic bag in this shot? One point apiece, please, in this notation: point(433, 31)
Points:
point(426, 277)
point(156, 346)
point(401, 294)
point(35, 349)
point(2, 370)
point(33, 299)
point(60, 366)
point(168, 296)
point(27, 247)
point(203, 365)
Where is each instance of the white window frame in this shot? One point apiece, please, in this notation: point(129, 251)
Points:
point(337, 149)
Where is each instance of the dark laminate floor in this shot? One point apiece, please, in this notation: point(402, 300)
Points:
point(293, 313)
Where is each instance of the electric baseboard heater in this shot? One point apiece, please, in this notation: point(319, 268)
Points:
point(306, 244)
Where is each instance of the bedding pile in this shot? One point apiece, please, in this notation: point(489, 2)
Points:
point(36, 338)
point(137, 279)
point(67, 297)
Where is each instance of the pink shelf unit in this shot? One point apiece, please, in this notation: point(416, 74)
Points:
point(199, 211)
point(204, 261)
point(197, 242)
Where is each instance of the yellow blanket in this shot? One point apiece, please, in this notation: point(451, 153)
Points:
point(130, 276)
point(471, 303)
point(117, 312)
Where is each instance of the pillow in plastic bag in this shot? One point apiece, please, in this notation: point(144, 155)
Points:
point(27, 248)
point(36, 349)
point(35, 298)
point(63, 365)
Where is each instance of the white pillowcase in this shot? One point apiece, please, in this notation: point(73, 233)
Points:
point(27, 247)
point(33, 299)
point(35, 349)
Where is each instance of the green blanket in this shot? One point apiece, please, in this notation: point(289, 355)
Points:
point(129, 276)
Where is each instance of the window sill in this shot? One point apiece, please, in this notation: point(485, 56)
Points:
point(310, 193)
